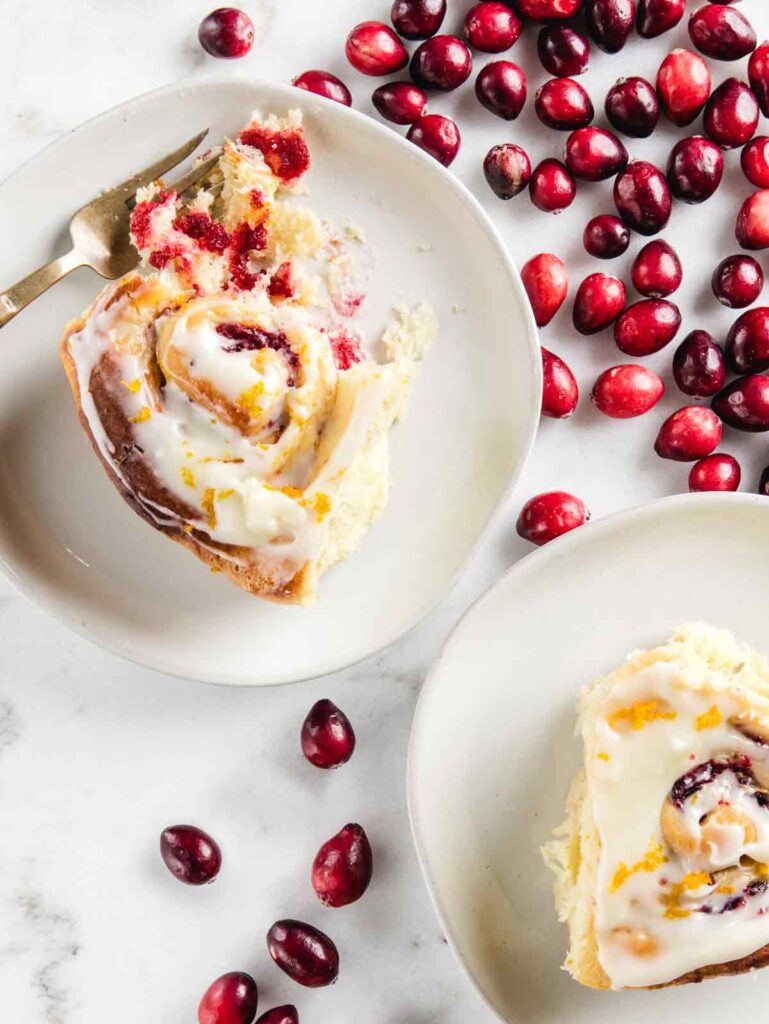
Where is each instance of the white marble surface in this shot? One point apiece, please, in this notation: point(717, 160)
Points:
point(97, 756)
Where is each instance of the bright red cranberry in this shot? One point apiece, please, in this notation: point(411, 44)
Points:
point(737, 281)
point(507, 169)
point(698, 365)
point(758, 75)
point(280, 1015)
point(747, 343)
point(632, 107)
point(658, 16)
point(442, 63)
point(755, 161)
point(731, 114)
point(560, 392)
point(646, 327)
point(695, 169)
point(552, 188)
point(323, 83)
point(549, 515)
point(546, 282)
point(190, 855)
point(722, 33)
point(657, 270)
point(753, 221)
point(606, 237)
point(689, 434)
point(417, 19)
point(501, 88)
point(491, 26)
point(563, 51)
point(642, 197)
point(683, 85)
point(436, 135)
point(624, 392)
point(399, 102)
point(563, 104)
point(549, 10)
point(231, 999)
point(304, 953)
point(718, 472)
point(342, 868)
point(327, 737)
point(610, 22)
point(600, 300)
point(593, 154)
point(374, 49)
point(226, 32)
point(744, 404)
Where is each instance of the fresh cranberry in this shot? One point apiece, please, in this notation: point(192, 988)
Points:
point(593, 154)
point(327, 737)
point(546, 282)
point(689, 434)
point(552, 188)
point(758, 75)
point(755, 161)
point(731, 114)
point(695, 169)
point(560, 392)
point(624, 392)
point(417, 19)
point(658, 16)
point(507, 169)
point(374, 49)
point(642, 197)
point(190, 854)
point(657, 270)
point(549, 10)
point(747, 343)
point(442, 63)
point(722, 33)
point(699, 369)
point(342, 868)
point(600, 300)
point(610, 22)
point(501, 88)
point(606, 237)
point(304, 953)
point(683, 85)
point(744, 404)
point(231, 999)
point(563, 104)
point(632, 107)
point(646, 327)
point(323, 83)
point(737, 281)
point(226, 32)
point(549, 515)
point(563, 51)
point(491, 26)
point(280, 1015)
point(753, 221)
point(436, 135)
point(719, 472)
point(399, 102)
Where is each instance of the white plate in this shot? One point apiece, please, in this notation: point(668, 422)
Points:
point(493, 750)
point(67, 538)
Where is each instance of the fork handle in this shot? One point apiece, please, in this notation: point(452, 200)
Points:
point(23, 292)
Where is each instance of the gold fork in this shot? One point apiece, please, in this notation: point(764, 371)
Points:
point(99, 231)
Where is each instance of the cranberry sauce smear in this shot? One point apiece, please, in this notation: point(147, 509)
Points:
point(207, 233)
point(693, 781)
point(250, 338)
point(284, 152)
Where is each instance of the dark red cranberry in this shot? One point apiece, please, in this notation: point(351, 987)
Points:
point(689, 434)
point(755, 161)
point(646, 327)
point(624, 392)
point(374, 49)
point(323, 83)
point(417, 19)
point(552, 188)
point(549, 10)
point(758, 75)
point(731, 114)
point(399, 102)
point(632, 107)
point(642, 197)
point(507, 169)
point(658, 16)
point(737, 281)
point(593, 154)
point(683, 85)
point(657, 270)
point(563, 51)
point(747, 343)
point(549, 515)
point(718, 472)
point(190, 854)
point(280, 1015)
point(563, 104)
point(546, 282)
point(501, 88)
point(436, 135)
point(753, 221)
point(342, 868)
point(226, 32)
point(610, 22)
point(698, 365)
point(560, 392)
point(722, 33)
point(606, 237)
point(304, 953)
point(600, 300)
point(695, 169)
point(231, 999)
point(442, 63)
point(327, 737)
point(744, 404)
point(491, 26)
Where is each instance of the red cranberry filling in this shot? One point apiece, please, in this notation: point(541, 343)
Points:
point(250, 338)
point(207, 233)
point(285, 153)
point(245, 240)
point(346, 348)
point(141, 218)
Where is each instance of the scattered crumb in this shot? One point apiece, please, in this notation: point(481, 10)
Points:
point(424, 248)
point(458, 309)
point(355, 233)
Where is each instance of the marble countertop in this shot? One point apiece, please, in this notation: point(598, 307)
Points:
point(98, 755)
